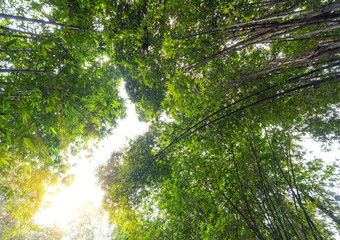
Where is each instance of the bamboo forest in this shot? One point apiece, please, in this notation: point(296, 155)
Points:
point(230, 90)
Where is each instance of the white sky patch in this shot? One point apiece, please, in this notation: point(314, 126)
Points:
point(84, 188)
point(314, 150)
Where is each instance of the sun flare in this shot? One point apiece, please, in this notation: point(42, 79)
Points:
point(62, 203)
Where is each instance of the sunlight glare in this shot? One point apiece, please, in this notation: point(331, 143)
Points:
point(84, 187)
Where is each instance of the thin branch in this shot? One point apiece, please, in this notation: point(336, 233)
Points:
point(41, 21)
point(323, 208)
point(19, 31)
point(18, 36)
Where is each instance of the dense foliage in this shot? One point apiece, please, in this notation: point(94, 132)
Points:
point(230, 87)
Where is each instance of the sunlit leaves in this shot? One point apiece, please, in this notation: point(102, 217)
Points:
point(54, 91)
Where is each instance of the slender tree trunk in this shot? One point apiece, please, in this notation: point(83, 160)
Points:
point(323, 208)
point(40, 21)
point(263, 33)
point(19, 31)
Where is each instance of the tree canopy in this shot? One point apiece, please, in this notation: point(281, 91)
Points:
point(238, 84)
point(230, 88)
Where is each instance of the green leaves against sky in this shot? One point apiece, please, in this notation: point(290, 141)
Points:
point(229, 87)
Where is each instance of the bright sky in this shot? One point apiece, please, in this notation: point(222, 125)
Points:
point(84, 187)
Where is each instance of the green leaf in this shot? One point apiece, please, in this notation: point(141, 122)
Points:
point(4, 161)
point(53, 130)
point(29, 143)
